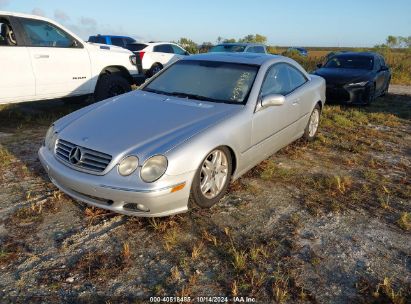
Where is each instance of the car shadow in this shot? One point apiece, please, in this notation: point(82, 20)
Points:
point(394, 104)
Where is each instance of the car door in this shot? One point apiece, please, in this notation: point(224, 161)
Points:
point(61, 64)
point(164, 53)
point(17, 81)
point(276, 126)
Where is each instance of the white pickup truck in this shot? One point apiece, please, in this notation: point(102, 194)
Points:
point(40, 59)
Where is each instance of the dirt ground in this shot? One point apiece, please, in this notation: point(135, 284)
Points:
point(321, 222)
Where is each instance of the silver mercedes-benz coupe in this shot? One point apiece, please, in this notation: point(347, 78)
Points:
point(185, 134)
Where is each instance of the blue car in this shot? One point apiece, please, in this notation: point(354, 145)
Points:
point(300, 50)
point(121, 41)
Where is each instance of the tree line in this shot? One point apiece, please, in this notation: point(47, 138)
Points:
point(194, 48)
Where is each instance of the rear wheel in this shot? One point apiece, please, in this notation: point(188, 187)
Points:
point(212, 178)
point(155, 68)
point(110, 85)
point(312, 126)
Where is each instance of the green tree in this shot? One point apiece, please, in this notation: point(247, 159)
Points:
point(189, 45)
point(205, 47)
point(257, 38)
point(231, 40)
point(392, 41)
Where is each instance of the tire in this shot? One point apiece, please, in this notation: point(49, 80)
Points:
point(311, 129)
point(371, 96)
point(199, 194)
point(386, 87)
point(155, 68)
point(110, 85)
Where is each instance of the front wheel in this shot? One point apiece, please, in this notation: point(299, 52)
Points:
point(212, 178)
point(312, 127)
point(371, 95)
point(110, 85)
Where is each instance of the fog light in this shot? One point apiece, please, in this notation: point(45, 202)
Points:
point(142, 207)
point(136, 207)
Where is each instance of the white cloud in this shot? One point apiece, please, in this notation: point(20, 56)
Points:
point(86, 21)
point(38, 11)
point(61, 16)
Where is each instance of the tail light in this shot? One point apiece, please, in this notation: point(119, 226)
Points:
point(141, 55)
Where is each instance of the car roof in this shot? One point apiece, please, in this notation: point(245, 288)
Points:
point(244, 58)
point(361, 54)
point(241, 43)
point(111, 36)
point(4, 13)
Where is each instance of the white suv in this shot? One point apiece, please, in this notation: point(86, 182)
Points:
point(40, 59)
point(156, 55)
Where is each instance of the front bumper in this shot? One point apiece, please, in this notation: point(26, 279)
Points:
point(98, 191)
point(345, 94)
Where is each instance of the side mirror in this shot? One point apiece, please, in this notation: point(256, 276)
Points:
point(319, 65)
point(272, 100)
point(187, 53)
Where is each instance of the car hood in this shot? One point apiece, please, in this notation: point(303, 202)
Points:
point(343, 76)
point(141, 122)
point(107, 48)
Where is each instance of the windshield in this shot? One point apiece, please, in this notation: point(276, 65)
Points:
point(228, 48)
point(350, 62)
point(206, 80)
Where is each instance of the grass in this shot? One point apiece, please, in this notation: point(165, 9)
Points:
point(405, 221)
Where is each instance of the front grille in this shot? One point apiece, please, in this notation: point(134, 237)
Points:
point(89, 160)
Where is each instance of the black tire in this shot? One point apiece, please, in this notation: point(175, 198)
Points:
point(308, 135)
point(385, 91)
point(155, 68)
point(110, 85)
point(196, 195)
point(371, 95)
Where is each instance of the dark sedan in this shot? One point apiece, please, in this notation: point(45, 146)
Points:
point(356, 78)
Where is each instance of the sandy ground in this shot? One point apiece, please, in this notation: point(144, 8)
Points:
point(54, 249)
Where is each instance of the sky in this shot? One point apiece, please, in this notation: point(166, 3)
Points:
point(360, 23)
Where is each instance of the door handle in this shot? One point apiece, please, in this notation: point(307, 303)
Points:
point(40, 56)
point(296, 101)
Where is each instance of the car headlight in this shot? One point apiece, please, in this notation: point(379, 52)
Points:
point(128, 165)
point(133, 59)
point(154, 168)
point(358, 84)
point(51, 138)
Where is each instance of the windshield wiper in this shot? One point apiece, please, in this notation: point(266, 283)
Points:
point(155, 91)
point(191, 96)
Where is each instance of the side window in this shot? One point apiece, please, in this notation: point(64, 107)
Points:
point(259, 49)
point(377, 63)
point(277, 80)
point(7, 36)
point(43, 34)
point(117, 41)
point(383, 61)
point(178, 50)
point(297, 79)
point(251, 49)
point(163, 48)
